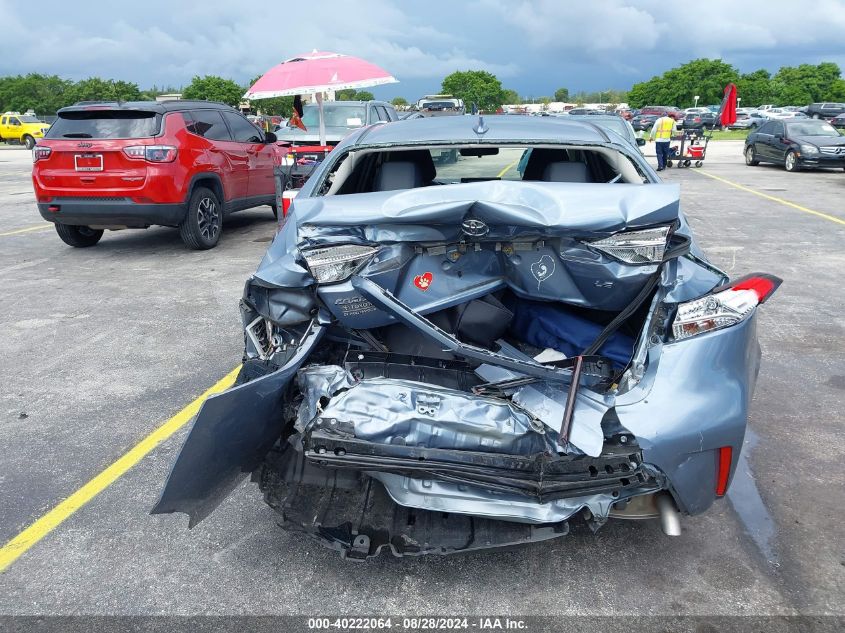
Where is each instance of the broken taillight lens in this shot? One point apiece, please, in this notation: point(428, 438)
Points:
point(645, 246)
point(726, 306)
point(336, 263)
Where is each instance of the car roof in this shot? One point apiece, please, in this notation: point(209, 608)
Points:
point(160, 107)
point(500, 128)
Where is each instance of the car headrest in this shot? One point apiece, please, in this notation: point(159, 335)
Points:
point(566, 172)
point(419, 170)
point(397, 175)
point(540, 158)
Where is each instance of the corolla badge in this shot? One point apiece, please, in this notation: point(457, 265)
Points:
point(474, 227)
point(543, 269)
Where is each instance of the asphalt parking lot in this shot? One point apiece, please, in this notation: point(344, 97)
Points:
point(101, 346)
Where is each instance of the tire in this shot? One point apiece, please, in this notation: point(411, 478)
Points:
point(668, 163)
point(687, 163)
point(790, 163)
point(203, 223)
point(29, 141)
point(78, 236)
point(751, 156)
point(275, 210)
point(698, 163)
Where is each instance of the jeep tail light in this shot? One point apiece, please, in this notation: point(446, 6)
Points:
point(151, 153)
point(724, 457)
point(725, 306)
point(40, 152)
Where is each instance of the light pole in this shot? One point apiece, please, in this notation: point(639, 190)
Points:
point(696, 97)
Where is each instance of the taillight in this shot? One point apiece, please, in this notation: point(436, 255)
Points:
point(725, 306)
point(645, 246)
point(724, 457)
point(40, 152)
point(151, 153)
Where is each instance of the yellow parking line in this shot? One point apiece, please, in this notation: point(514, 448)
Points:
point(39, 227)
point(509, 167)
point(772, 198)
point(42, 526)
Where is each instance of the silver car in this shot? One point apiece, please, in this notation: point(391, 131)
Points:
point(451, 357)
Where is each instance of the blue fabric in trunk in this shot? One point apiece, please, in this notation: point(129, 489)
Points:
point(552, 325)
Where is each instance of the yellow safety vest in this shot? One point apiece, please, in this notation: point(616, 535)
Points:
point(663, 128)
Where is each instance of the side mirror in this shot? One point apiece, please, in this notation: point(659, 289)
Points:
point(640, 142)
point(269, 137)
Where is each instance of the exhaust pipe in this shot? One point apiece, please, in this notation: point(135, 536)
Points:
point(670, 518)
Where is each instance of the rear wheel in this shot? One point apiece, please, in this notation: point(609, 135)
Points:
point(751, 156)
point(78, 236)
point(200, 230)
point(791, 162)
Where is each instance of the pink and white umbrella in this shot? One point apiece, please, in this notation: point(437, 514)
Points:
point(316, 73)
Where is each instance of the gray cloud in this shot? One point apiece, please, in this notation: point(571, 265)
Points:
point(533, 46)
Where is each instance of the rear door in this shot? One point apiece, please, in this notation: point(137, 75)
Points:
point(230, 158)
point(259, 154)
point(88, 151)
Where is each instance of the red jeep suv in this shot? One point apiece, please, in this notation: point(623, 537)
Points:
point(185, 164)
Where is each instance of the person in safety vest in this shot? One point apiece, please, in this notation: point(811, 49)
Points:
point(661, 134)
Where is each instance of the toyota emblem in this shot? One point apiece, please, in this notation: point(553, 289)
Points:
point(474, 227)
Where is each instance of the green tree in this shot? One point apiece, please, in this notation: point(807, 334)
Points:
point(213, 88)
point(42, 93)
point(562, 94)
point(511, 97)
point(399, 102)
point(350, 94)
point(475, 86)
point(706, 78)
point(837, 90)
point(151, 93)
point(97, 89)
point(274, 106)
point(807, 83)
point(755, 88)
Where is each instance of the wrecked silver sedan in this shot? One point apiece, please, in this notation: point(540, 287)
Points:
point(446, 357)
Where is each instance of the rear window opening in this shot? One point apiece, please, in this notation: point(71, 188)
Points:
point(105, 124)
point(371, 170)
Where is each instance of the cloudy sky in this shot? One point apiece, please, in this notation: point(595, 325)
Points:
point(532, 46)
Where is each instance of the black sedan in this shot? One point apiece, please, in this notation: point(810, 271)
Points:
point(838, 121)
point(644, 121)
point(796, 144)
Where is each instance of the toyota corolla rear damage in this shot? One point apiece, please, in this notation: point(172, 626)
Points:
point(473, 364)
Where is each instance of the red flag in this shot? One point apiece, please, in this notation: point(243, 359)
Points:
point(296, 115)
point(727, 113)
